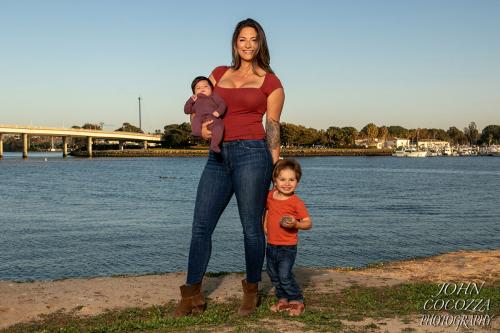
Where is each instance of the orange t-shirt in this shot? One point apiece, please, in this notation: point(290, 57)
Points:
point(276, 209)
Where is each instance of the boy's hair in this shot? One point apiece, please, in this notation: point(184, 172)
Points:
point(198, 79)
point(287, 163)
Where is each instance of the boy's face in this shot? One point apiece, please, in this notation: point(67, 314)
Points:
point(286, 182)
point(203, 87)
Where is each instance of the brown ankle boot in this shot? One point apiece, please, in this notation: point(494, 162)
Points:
point(192, 300)
point(250, 298)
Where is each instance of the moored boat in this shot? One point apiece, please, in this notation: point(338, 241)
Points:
point(409, 152)
point(417, 153)
point(399, 152)
point(494, 151)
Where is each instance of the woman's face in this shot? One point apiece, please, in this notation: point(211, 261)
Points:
point(247, 44)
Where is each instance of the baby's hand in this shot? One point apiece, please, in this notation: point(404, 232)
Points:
point(194, 98)
point(287, 222)
point(216, 114)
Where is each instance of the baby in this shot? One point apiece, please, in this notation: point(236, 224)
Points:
point(206, 105)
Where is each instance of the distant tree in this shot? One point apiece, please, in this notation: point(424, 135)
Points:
point(370, 131)
point(322, 138)
point(490, 135)
point(437, 134)
point(471, 133)
point(90, 126)
point(383, 132)
point(349, 136)
point(78, 142)
point(289, 134)
point(398, 132)
point(423, 133)
point(333, 136)
point(456, 136)
point(13, 143)
point(127, 127)
point(339, 137)
point(293, 135)
point(412, 135)
point(442, 135)
point(307, 136)
point(177, 136)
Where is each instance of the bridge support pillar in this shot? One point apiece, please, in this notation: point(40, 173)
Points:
point(65, 146)
point(25, 145)
point(145, 144)
point(89, 146)
point(1, 145)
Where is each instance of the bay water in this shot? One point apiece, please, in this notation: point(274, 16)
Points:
point(73, 217)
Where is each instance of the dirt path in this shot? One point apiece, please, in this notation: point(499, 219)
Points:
point(25, 301)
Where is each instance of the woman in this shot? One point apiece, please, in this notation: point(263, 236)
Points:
point(244, 166)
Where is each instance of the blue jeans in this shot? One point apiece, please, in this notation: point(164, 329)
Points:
point(280, 260)
point(243, 167)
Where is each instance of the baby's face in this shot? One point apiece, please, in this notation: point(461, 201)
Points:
point(203, 87)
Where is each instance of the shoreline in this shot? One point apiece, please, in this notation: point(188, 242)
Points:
point(22, 302)
point(371, 265)
point(163, 152)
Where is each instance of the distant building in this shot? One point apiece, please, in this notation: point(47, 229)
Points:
point(375, 143)
point(431, 143)
point(394, 142)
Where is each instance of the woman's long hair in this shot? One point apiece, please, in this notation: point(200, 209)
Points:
point(261, 57)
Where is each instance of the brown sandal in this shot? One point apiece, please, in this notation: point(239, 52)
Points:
point(295, 308)
point(280, 306)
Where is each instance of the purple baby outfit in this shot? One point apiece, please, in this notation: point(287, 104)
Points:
point(203, 107)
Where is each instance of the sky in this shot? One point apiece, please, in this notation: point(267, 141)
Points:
point(413, 63)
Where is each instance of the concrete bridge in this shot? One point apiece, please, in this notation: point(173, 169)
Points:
point(25, 131)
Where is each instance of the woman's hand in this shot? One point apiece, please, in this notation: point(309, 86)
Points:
point(205, 132)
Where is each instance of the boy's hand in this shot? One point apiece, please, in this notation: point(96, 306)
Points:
point(216, 114)
point(194, 98)
point(288, 222)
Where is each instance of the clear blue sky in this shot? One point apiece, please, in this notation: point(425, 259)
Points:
point(421, 63)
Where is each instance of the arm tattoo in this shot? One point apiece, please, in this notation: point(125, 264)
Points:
point(272, 133)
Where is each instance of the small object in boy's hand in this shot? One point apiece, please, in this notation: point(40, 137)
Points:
point(286, 220)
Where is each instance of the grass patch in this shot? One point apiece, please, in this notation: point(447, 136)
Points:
point(324, 312)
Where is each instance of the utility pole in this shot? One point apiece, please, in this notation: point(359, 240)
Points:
point(140, 121)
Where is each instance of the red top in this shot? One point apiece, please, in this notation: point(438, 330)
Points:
point(245, 107)
point(276, 209)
